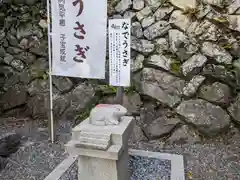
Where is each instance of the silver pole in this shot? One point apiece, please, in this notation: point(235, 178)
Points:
point(51, 124)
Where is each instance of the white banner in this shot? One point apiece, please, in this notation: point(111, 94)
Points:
point(79, 38)
point(119, 52)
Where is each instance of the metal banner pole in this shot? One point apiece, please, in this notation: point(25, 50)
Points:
point(51, 124)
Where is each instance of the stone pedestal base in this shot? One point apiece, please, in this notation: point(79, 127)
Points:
point(91, 168)
point(102, 150)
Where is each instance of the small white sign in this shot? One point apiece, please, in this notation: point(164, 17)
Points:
point(119, 52)
point(79, 29)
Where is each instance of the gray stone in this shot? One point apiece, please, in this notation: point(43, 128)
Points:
point(81, 97)
point(183, 135)
point(234, 22)
point(161, 45)
point(8, 59)
point(191, 88)
point(11, 81)
point(38, 68)
point(143, 46)
point(154, 4)
point(25, 77)
point(30, 2)
point(183, 4)
point(63, 84)
point(26, 57)
point(148, 21)
point(234, 109)
point(159, 85)
point(180, 44)
point(38, 106)
point(17, 64)
point(129, 14)
point(38, 87)
point(180, 20)
point(219, 72)
point(234, 7)
point(209, 119)
point(194, 64)
point(205, 30)
point(14, 97)
point(40, 48)
point(163, 12)
point(138, 4)
point(12, 40)
point(137, 135)
point(43, 24)
point(160, 127)
point(24, 30)
point(123, 5)
point(137, 63)
point(2, 35)
point(60, 104)
point(218, 53)
point(158, 29)
point(136, 30)
point(24, 43)
point(216, 93)
point(160, 61)
point(219, 3)
point(204, 10)
point(14, 50)
point(145, 12)
point(2, 52)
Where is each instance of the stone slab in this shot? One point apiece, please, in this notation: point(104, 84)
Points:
point(113, 152)
point(120, 133)
point(103, 169)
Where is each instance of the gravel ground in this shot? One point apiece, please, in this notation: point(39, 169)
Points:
point(37, 157)
point(216, 159)
point(144, 168)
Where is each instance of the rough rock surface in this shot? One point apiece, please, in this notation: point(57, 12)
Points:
point(216, 93)
point(158, 29)
point(194, 64)
point(183, 4)
point(137, 30)
point(159, 85)
point(179, 20)
point(183, 135)
point(234, 109)
point(137, 63)
point(160, 127)
point(143, 46)
point(181, 44)
point(216, 52)
point(160, 61)
point(192, 86)
point(209, 119)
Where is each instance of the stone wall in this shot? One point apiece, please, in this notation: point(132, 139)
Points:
point(185, 68)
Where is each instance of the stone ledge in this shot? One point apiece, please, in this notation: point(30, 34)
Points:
point(113, 152)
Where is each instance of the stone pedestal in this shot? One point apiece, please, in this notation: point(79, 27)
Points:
point(102, 150)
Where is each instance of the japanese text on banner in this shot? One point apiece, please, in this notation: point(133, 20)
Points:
point(74, 37)
point(119, 52)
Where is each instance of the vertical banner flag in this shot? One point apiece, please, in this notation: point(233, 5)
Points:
point(119, 52)
point(79, 38)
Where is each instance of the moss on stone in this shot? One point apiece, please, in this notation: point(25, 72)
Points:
point(176, 67)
